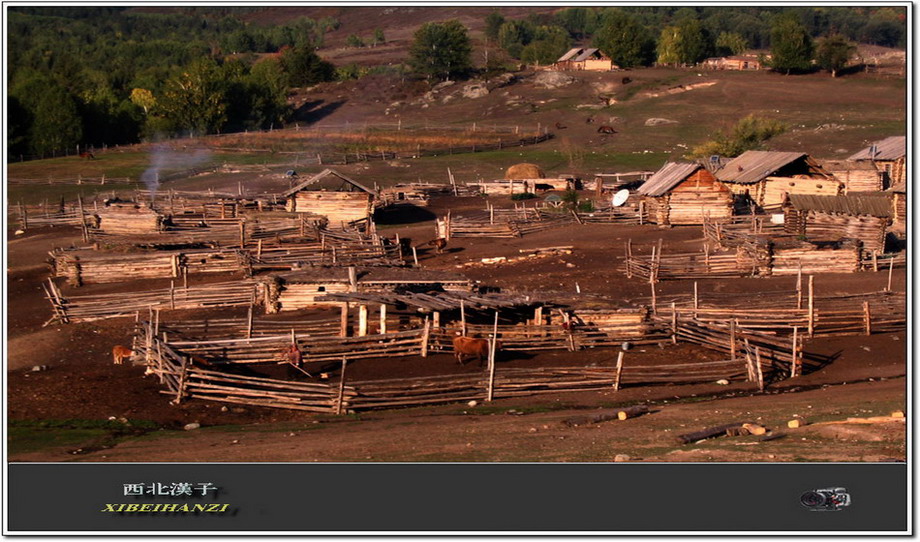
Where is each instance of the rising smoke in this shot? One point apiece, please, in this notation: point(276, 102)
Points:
point(178, 163)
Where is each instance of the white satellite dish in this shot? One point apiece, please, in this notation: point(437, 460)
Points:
point(620, 197)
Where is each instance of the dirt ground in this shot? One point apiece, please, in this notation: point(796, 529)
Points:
point(79, 383)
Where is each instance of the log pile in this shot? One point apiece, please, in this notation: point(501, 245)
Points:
point(809, 259)
point(85, 266)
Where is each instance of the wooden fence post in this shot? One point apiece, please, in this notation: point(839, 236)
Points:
point(750, 363)
point(696, 301)
point(462, 318)
point(362, 320)
point(415, 256)
point(890, 270)
point(616, 380)
point(249, 322)
point(759, 368)
point(343, 330)
point(731, 330)
point(339, 400)
point(811, 305)
point(673, 322)
point(795, 351)
point(425, 335)
point(868, 317)
point(182, 375)
point(492, 345)
point(383, 318)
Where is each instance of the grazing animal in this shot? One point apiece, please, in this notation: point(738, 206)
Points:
point(86, 155)
point(119, 353)
point(627, 80)
point(468, 346)
point(604, 129)
point(560, 126)
point(589, 120)
point(439, 244)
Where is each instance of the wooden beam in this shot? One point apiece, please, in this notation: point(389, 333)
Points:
point(616, 382)
point(362, 320)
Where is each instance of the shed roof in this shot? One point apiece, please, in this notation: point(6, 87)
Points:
point(754, 166)
point(320, 176)
point(435, 301)
point(666, 178)
point(578, 54)
point(396, 275)
point(890, 148)
point(847, 165)
point(862, 204)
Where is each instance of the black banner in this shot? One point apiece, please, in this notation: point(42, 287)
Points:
point(415, 498)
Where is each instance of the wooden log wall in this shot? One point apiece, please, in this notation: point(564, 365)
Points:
point(788, 261)
point(870, 230)
point(87, 308)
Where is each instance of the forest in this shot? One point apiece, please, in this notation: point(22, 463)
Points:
point(86, 76)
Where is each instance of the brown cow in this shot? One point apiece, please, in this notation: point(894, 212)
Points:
point(468, 346)
point(119, 353)
point(439, 244)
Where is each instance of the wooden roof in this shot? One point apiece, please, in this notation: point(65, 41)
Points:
point(890, 148)
point(434, 301)
point(322, 175)
point(395, 275)
point(847, 165)
point(861, 204)
point(579, 54)
point(754, 166)
point(670, 175)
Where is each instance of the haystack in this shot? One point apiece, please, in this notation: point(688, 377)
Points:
point(524, 171)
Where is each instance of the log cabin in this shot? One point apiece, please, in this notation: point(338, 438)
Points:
point(864, 217)
point(889, 156)
point(127, 218)
point(767, 176)
point(898, 193)
point(580, 58)
point(683, 193)
point(856, 175)
point(330, 194)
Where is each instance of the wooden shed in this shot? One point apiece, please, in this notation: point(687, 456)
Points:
point(580, 58)
point(856, 175)
point(889, 156)
point(682, 193)
point(332, 195)
point(864, 217)
point(735, 62)
point(127, 218)
point(767, 176)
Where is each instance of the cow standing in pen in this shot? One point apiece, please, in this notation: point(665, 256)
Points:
point(468, 346)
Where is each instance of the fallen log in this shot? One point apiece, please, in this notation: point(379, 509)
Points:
point(632, 412)
point(717, 431)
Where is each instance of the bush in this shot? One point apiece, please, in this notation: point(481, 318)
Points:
point(586, 206)
point(523, 196)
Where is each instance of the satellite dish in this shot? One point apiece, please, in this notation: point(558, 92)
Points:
point(620, 197)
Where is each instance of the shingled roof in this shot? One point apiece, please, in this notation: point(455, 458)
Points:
point(890, 148)
point(863, 204)
point(666, 178)
point(754, 166)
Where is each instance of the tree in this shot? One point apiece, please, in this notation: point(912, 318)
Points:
point(379, 38)
point(144, 99)
point(354, 41)
point(440, 50)
point(550, 42)
point(834, 52)
point(193, 100)
point(579, 22)
point(18, 126)
point(494, 22)
point(56, 124)
point(731, 43)
point(305, 68)
point(791, 45)
point(684, 43)
point(514, 35)
point(624, 40)
point(748, 134)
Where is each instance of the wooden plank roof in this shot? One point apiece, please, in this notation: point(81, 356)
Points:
point(670, 175)
point(393, 275)
point(578, 54)
point(434, 301)
point(320, 176)
point(754, 166)
point(861, 204)
point(890, 148)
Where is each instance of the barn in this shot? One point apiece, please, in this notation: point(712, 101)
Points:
point(683, 193)
point(889, 156)
point(767, 176)
point(864, 217)
point(332, 195)
point(856, 175)
point(580, 58)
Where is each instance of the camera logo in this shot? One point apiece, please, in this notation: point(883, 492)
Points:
point(832, 498)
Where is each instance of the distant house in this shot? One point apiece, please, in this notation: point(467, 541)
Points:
point(682, 193)
point(736, 62)
point(889, 157)
point(767, 176)
point(856, 175)
point(584, 59)
point(332, 195)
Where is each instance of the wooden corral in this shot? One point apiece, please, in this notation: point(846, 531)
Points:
point(504, 187)
point(308, 288)
point(856, 175)
point(864, 217)
point(332, 195)
point(683, 193)
point(614, 182)
point(766, 176)
point(889, 156)
point(86, 266)
point(735, 62)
